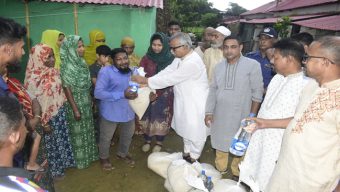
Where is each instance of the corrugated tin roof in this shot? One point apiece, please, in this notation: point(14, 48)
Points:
point(286, 5)
point(139, 3)
point(262, 9)
point(293, 4)
point(327, 23)
point(274, 19)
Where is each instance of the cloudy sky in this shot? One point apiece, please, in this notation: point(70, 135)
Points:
point(248, 4)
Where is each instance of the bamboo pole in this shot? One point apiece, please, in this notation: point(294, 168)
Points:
point(27, 20)
point(75, 13)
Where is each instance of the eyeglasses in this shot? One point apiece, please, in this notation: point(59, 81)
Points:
point(306, 58)
point(174, 48)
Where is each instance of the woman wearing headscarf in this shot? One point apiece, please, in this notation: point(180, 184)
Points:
point(97, 38)
point(54, 39)
point(37, 155)
point(76, 82)
point(128, 44)
point(157, 119)
point(43, 81)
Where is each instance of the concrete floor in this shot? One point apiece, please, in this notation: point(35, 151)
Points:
point(124, 178)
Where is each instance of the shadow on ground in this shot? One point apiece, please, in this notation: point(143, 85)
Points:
point(124, 178)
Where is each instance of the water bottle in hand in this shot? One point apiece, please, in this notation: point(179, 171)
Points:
point(241, 140)
point(134, 85)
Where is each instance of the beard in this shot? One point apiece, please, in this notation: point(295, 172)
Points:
point(124, 70)
point(216, 45)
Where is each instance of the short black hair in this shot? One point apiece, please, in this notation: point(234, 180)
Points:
point(10, 115)
point(174, 23)
point(103, 50)
point(290, 47)
point(11, 31)
point(237, 38)
point(304, 38)
point(115, 51)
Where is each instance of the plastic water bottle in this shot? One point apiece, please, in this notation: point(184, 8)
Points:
point(241, 140)
point(209, 184)
point(203, 176)
point(134, 85)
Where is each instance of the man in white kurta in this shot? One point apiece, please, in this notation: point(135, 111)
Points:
point(187, 74)
point(281, 99)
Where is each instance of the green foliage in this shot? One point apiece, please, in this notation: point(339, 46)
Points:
point(235, 9)
point(194, 13)
point(282, 26)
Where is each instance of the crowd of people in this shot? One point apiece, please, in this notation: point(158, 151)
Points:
point(74, 97)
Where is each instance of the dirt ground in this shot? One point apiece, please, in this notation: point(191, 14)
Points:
point(124, 178)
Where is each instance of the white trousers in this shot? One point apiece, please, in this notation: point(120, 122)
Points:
point(193, 148)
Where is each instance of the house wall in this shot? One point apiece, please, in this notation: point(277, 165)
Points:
point(114, 20)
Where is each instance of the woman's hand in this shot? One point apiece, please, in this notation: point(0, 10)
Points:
point(77, 115)
point(47, 128)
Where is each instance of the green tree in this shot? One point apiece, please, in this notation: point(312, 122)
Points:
point(282, 26)
point(235, 10)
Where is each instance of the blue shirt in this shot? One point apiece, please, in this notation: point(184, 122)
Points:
point(4, 91)
point(110, 87)
point(267, 72)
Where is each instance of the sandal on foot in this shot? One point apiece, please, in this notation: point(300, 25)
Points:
point(35, 169)
point(146, 147)
point(127, 160)
point(106, 164)
point(157, 148)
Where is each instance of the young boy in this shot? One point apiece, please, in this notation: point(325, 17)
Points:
point(103, 53)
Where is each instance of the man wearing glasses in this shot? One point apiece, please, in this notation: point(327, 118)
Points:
point(309, 159)
point(187, 74)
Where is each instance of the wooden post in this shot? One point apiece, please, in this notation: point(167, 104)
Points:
point(75, 13)
point(27, 20)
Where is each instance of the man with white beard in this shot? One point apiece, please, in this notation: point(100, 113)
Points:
point(214, 54)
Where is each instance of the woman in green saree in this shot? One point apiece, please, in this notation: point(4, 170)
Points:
point(76, 82)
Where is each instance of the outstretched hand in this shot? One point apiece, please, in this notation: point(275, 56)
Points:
point(139, 79)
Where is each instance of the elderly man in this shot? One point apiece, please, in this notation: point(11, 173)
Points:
point(281, 100)
point(267, 38)
point(214, 54)
point(235, 93)
point(206, 41)
point(309, 159)
point(11, 48)
point(187, 74)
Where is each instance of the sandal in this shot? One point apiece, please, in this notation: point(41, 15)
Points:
point(146, 147)
point(127, 160)
point(157, 148)
point(35, 169)
point(106, 164)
